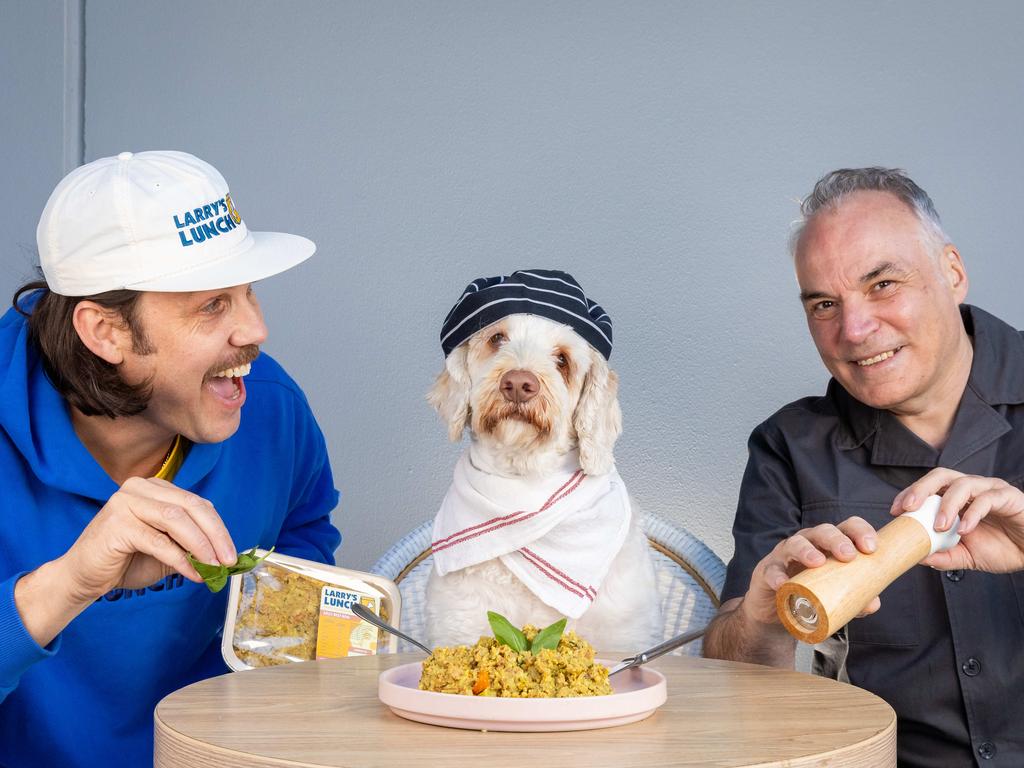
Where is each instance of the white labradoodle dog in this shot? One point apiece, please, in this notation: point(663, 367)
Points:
point(537, 523)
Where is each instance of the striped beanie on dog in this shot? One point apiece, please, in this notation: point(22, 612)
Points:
point(545, 292)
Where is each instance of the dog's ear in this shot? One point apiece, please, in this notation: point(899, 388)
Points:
point(598, 418)
point(450, 393)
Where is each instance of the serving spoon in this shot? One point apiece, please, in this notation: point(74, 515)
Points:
point(633, 661)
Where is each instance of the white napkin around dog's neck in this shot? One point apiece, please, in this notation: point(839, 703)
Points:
point(558, 535)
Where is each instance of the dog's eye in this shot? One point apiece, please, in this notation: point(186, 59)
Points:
point(498, 339)
point(561, 360)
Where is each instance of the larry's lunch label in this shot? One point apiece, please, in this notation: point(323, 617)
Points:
point(340, 632)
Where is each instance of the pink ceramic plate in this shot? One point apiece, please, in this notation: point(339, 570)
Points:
point(638, 692)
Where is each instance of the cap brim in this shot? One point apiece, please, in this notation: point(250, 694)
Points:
point(262, 255)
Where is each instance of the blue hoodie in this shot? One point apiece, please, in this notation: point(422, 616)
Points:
point(87, 699)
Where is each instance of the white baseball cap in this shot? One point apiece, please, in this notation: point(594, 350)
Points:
point(154, 221)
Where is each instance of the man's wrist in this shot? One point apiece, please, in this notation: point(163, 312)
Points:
point(755, 616)
point(764, 630)
point(45, 603)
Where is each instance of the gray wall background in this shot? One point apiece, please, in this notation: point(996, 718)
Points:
point(655, 150)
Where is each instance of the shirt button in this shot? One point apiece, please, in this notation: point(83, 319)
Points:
point(971, 668)
point(954, 575)
point(987, 750)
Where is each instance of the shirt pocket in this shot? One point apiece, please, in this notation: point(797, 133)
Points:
point(897, 622)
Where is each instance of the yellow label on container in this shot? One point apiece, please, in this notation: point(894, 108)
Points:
point(340, 632)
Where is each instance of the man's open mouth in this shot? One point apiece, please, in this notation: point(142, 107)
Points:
point(232, 373)
point(228, 383)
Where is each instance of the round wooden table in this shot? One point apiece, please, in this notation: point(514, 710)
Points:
point(327, 713)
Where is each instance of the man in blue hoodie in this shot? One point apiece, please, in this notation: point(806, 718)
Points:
point(123, 447)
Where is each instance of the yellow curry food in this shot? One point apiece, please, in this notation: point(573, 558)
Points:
point(278, 616)
point(491, 668)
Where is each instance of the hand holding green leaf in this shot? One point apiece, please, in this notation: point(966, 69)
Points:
point(216, 576)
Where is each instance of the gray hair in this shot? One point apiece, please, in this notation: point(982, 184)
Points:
point(833, 188)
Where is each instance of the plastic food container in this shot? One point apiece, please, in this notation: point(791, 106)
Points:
point(292, 610)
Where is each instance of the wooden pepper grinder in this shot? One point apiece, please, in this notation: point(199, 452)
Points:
point(818, 602)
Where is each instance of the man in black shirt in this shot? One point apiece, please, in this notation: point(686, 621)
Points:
point(919, 381)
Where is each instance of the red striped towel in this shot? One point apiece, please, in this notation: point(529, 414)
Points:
point(558, 534)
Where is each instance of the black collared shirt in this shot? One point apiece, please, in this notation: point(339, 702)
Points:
point(946, 650)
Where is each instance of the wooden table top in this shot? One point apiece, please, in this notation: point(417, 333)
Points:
point(327, 713)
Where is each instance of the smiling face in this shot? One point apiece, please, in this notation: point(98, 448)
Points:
point(200, 345)
point(881, 299)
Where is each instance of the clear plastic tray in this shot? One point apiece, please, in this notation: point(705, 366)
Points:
point(273, 611)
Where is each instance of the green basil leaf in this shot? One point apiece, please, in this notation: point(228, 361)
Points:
point(548, 637)
point(506, 633)
point(216, 583)
point(206, 570)
point(216, 576)
point(247, 561)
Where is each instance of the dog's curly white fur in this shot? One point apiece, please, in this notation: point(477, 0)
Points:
point(575, 407)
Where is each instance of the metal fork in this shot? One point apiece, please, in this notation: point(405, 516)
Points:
point(367, 615)
point(659, 650)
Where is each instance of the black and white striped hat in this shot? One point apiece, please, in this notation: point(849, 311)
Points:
point(545, 292)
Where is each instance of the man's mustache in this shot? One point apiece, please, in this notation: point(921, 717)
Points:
point(245, 355)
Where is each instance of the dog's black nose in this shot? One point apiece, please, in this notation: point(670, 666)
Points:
point(519, 386)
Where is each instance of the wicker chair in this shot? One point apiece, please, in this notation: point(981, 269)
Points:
point(690, 578)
